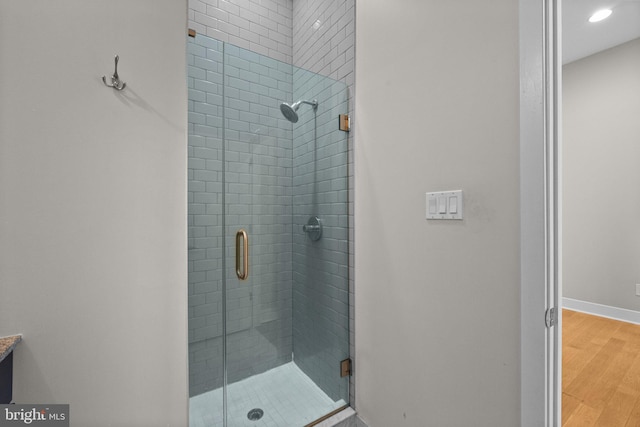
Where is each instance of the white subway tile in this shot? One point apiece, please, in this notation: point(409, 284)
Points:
point(229, 7)
point(206, 20)
point(239, 21)
point(228, 28)
point(249, 36)
point(197, 6)
point(217, 34)
point(250, 15)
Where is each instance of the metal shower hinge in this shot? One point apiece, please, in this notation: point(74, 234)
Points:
point(344, 122)
point(551, 317)
point(345, 368)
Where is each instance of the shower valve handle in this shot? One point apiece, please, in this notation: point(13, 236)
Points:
point(313, 228)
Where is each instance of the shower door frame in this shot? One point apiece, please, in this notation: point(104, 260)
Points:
point(540, 139)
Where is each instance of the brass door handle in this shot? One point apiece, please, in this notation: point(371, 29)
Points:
point(242, 268)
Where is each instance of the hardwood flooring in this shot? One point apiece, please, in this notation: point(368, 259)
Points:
point(600, 371)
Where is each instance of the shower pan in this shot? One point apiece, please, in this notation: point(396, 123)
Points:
point(268, 305)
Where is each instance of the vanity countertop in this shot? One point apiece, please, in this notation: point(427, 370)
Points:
point(7, 344)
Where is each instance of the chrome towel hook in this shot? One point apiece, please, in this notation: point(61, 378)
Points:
point(115, 79)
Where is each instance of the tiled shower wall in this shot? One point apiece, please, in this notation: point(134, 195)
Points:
point(318, 35)
point(262, 26)
point(324, 38)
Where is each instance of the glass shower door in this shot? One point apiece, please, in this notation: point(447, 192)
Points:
point(276, 194)
point(258, 215)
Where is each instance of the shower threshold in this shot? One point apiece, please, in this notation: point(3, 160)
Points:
point(285, 395)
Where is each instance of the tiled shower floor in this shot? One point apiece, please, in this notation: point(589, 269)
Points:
point(286, 395)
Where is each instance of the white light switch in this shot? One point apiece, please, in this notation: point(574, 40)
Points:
point(445, 205)
point(453, 204)
point(433, 206)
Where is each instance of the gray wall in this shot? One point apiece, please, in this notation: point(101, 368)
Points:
point(437, 303)
point(601, 202)
point(93, 215)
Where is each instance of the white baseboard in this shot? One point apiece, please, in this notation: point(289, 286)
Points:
point(601, 310)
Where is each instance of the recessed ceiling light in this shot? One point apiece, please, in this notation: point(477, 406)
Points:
point(600, 15)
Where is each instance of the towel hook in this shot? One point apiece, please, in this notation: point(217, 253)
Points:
point(115, 79)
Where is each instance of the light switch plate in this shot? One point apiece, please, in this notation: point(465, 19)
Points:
point(453, 205)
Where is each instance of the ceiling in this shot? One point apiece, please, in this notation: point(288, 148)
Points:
point(581, 38)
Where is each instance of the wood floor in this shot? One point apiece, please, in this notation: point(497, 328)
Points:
point(600, 371)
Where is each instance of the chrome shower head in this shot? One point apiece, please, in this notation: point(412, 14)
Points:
point(290, 111)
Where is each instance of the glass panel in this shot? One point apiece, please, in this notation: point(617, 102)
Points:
point(206, 262)
point(320, 267)
point(279, 345)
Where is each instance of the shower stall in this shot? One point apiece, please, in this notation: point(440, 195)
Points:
point(268, 240)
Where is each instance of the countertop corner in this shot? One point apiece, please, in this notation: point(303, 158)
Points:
point(7, 344)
